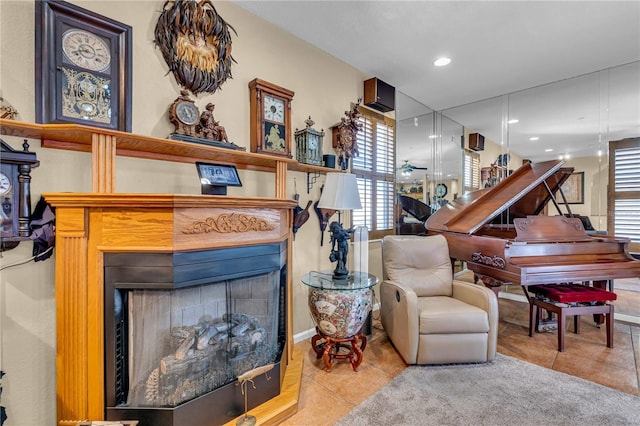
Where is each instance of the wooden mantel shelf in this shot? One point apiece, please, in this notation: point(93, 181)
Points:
point(112, 201)
point(75, 137)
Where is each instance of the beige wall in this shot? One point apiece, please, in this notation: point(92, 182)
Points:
point(323, 86)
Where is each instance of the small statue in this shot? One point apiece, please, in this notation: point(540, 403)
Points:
point(340, 248)
point(211, 129)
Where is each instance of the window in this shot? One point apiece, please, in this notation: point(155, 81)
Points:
point(375, 174)
point(624, 191)
point(471, 171)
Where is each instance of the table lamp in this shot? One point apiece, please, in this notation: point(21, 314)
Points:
point(340, 193)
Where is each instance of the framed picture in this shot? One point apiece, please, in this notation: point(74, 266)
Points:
point(83, 67)
point(573, 188)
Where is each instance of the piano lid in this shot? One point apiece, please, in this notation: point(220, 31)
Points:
point(521, 194)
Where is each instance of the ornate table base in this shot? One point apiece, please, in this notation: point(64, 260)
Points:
point(329, 348)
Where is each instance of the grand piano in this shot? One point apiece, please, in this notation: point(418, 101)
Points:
point(505, 236)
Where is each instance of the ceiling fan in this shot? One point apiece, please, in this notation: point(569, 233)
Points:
point(407, 168)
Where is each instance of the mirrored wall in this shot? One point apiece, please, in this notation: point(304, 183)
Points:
point(572, 119)
point(429, 161)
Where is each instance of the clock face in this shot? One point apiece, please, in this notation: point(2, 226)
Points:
point(86, 50)
point(187, 113)
point(441, 190)
point(5, 184)
point(273, 109)
point(313, 142)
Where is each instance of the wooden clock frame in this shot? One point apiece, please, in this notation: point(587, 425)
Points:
point(52, 19)
point(257, 91)
point(16, 203)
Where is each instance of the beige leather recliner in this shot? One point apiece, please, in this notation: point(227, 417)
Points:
point(430, 317)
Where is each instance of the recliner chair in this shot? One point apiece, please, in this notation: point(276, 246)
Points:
point(429, 317)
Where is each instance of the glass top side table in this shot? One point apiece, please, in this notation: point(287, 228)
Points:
point(324, 280)
point(339, 309)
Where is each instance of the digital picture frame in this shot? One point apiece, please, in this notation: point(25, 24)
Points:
point(215, 178)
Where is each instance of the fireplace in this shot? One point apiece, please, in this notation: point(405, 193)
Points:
point(183, 245)
point(181, 327)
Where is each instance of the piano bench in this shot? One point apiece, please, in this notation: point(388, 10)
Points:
point(570, 299)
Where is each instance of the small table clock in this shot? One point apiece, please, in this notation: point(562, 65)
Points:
point(309, 144)
point(15, 193)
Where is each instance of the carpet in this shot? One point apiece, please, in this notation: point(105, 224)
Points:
point(505, 392)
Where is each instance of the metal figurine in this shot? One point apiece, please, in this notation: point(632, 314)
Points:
point(340, 249)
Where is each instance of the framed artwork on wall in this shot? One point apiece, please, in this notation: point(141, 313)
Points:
point(83, 67)
point(573, 188)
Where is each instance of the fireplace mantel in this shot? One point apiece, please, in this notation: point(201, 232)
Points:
point(88, 225)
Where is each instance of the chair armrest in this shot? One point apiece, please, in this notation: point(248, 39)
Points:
point(400, 318)
point(485, 299)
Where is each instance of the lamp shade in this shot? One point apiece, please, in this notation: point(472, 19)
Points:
point(340, 192)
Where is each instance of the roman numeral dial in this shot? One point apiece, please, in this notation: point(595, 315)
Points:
point(86, 50)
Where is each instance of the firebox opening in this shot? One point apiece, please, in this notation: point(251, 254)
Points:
point(181, 327)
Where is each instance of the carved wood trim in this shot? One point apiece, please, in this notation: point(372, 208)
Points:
point(228, 223)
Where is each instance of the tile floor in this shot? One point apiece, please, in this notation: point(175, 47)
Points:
point(327, 396)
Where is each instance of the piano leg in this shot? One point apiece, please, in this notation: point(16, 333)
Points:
point(598, 319)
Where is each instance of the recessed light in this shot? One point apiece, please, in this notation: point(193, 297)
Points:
point(535, 138)
point(441, 62)
point(513, 121)
point(548, 150)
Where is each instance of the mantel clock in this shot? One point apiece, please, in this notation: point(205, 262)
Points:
point(15, 193)
point(270, 111)
point(309, 144)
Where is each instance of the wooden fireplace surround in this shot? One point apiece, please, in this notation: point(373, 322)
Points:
point(91, 224)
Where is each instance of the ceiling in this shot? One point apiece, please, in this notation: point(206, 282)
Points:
point(497, 48)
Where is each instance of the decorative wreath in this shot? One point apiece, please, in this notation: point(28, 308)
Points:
point(195, 43)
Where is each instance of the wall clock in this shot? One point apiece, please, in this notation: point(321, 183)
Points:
point(441, 190)
point(15, 193)
point(83, 67)
point(270, 111)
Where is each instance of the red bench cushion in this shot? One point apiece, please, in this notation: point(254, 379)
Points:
point(572, 293)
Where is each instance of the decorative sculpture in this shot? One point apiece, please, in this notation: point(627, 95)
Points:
point(340, 249)
point(195, 43)
point(347, 138)
point(211, 129)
